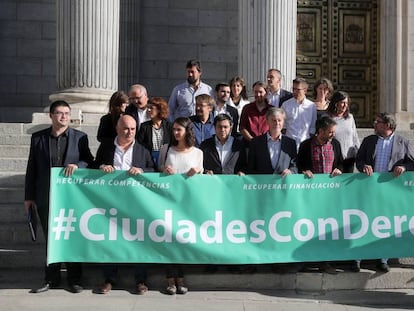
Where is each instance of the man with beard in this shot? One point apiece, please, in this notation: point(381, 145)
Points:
point(182, 99)
point(384, 151)
point(321, 154)
point(203, 120)
point(253, 118)
point(222, 99)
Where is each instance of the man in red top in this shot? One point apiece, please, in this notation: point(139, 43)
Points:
point(253, 118)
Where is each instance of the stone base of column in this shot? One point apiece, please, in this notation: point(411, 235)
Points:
point(87, 100)
point(405, 121)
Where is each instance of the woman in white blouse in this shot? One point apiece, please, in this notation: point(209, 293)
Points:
point(180, 157)
point(346, 132)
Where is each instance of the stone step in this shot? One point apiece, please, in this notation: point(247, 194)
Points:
point(14, 151)
point(12, 213)
point(12, 179)
point(15, 139)
point(13, 164)
point(11, 195)
point(197, 279)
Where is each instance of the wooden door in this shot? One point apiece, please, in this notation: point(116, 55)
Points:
point(339, 40)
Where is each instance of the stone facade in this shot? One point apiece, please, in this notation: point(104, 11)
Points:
point(156, 40)
point(157, 37)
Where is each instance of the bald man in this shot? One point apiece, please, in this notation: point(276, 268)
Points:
point(124, 153)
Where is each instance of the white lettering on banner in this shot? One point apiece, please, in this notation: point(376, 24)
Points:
point(84, 221)
point(281, 227)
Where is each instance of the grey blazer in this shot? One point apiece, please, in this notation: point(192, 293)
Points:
point(402, 153)
point(259, 157)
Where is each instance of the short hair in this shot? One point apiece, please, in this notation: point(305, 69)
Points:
point(189, 138)
point(298, 80)
point(194, 63)
point(162, 106)
point(58, 103)
point(278, 73)
point(243, 93)
point(261, 84)
point(274, 111)
point(223, 117)
point(117, 99)
point(220, 85)
point(140, 87)
point(326, 82)
point(205, 98)
point(389, 119)
point(337, 97)
point(324, 123)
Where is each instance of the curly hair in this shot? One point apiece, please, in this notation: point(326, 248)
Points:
point(162, 106)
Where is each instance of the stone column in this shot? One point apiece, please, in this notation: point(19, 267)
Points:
point(129, 45)
point(267, 39)
point(87, 53)
point(396, 95)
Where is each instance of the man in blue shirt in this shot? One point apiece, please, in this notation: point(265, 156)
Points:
point(182, 99)
point(203, 120)
point(386, 151)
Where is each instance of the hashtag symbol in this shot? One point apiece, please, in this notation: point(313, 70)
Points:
point(64, 224)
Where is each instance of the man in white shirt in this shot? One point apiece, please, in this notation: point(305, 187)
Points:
point(124, 153)
point(275, 94)
point(300, 113)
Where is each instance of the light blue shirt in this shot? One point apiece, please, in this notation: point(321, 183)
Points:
point(224, 150)
point(182, 99)
point(383, 151)
point(274, 147)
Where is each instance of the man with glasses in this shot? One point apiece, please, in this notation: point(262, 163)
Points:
point(56, 146)
point(385, 151)
point(138, 100)
point(300, 113)
point(203, 120)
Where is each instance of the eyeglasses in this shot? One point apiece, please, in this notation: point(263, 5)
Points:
point(61, 113)
point(297, 89)
point(135, 98)
point(378, 121)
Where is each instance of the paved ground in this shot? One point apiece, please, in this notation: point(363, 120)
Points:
point(20, 299)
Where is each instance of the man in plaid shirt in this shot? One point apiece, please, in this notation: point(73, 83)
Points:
point(321, 154)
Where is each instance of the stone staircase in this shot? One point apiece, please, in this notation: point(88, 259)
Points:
point(24, 260)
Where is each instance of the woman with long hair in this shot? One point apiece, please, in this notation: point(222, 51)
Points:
point(322, 89)
point(346, 132)
point(180, 157)
point(117, 105)
point(238, 94)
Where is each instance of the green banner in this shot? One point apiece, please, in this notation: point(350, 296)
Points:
point(228, 219)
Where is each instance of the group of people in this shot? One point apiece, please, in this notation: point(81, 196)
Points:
point(212, 131)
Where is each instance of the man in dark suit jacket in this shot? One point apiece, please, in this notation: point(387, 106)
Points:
point(124, 153)
point(222, 98)
point(56, 146)
point(273, 153)
point(385, 151)
point(223, 153)
point(330, 160)
point(275, 94)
